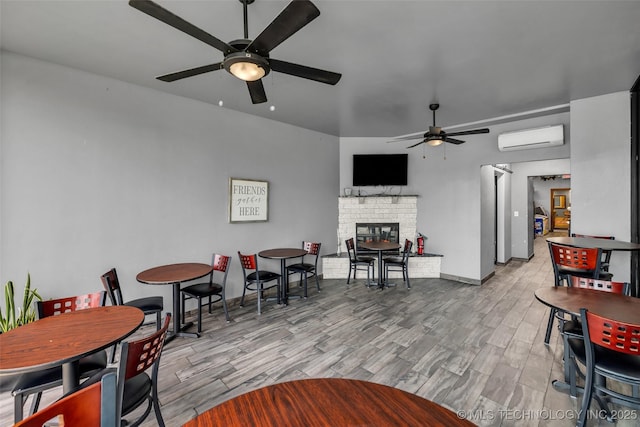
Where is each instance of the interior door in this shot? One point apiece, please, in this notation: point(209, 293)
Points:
point(560, 209)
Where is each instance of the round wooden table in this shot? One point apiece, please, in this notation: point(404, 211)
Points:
point(65, 339)
point(174, 274)
point(283, 254)
point(381, 247)
point(593, 242)
point(571, 300)
point(327, 402)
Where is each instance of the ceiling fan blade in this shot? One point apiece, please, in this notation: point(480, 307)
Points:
point(296, 15)
point(305, 72)
point(156, 11)
point(172, 77)
point(256, 90)
point(409, 137)
point(453, 140)
point(468, 132)
point(415, 145)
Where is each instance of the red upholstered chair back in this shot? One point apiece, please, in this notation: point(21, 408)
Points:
point(248, 262)
point(58, 306)
point(613, 335)
point(112, 286)
point(220, 262)
point(138, 356)
point(312, 248)
point(587, 259)
point(621, 288)
point(350, 245)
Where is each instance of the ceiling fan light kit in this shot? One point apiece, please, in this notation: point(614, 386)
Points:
point(436, 135)
point(246, 66)
point(246, 59)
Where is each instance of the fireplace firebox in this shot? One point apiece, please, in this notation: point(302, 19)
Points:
point(377, 232)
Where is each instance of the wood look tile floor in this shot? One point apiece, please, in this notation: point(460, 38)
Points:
point(475, 349)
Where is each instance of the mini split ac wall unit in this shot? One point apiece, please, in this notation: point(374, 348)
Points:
point(548, 136)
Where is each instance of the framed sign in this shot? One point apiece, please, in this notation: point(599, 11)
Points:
point(248, 200)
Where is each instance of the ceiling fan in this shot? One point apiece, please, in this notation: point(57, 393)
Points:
point(436, 135)
point(247, 59)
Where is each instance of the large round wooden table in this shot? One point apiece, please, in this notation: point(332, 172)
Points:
point(65, 339)
point(327, 402)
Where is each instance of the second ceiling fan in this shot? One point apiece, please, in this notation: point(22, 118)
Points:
point(436, 135)
point(244, 58)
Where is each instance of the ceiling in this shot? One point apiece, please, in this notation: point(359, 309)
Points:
point(478, 59)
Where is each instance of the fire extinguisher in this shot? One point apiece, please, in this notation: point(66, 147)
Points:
point(420, 240)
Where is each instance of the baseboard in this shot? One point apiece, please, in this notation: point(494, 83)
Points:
point(460, 279)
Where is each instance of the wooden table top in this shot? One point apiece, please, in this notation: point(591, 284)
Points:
point(381, 246)
point(571, 300)
point(64, 338)
point(327, 402)
point(173, 273)
point(282, 253)
point(592, 242)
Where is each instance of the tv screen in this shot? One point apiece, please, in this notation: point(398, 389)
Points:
point(379, 169)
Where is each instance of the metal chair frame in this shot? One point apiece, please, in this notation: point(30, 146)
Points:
point(356, 262)
point(198, 291)
point(307, 270)
point(399, 264)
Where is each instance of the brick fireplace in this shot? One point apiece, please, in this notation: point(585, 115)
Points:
point(397, 210)
point(400, 211)
point(376, 232)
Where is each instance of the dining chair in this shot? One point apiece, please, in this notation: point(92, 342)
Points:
point(307, 269)
point(148, 305)
point(568, 260)
point(609, 349)
point(399, 263)
point(357, 262)
point(255, 279)
point(606, 254)
point(94, 406)
point(135, 386)
point(38, 381)
point(573, 328)
point(209, 289)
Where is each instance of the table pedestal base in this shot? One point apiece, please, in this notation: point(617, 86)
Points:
point(178, 329)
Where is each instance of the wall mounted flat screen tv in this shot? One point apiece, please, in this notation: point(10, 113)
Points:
point(379, 169)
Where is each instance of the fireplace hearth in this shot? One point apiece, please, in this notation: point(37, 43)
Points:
point(377, 232)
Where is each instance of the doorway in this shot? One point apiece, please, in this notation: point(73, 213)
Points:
point(560, 204)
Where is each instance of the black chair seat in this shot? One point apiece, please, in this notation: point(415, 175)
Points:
point(264, 276)
point(88, 366)
point(612, 363)
point(148, 304)
point(38, 381)
point(301, 268)
point(136, 391)
point(201, 290)
point(394, 260)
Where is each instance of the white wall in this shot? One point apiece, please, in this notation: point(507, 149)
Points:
point(448, 186)
point(601, 170)
point(522, 225)
point(97, 173)
point(487, 219)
